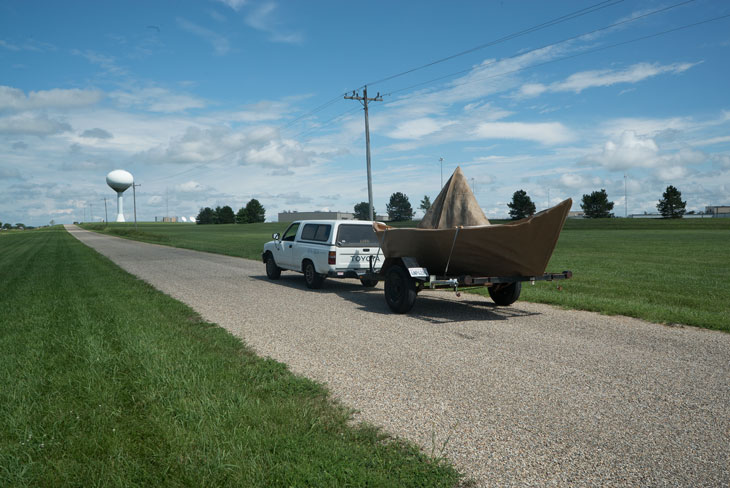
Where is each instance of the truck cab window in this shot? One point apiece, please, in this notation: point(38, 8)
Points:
point(291, 232)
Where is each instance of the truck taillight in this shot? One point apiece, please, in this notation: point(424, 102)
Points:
point(332, 258)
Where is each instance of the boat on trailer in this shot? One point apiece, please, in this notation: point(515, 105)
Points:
point(499, 256)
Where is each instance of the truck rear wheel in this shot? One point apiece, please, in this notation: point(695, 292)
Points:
point(313, 279)
point(505, 294)
point(400, 290)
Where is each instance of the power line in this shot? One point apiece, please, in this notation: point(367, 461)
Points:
point(591, 51)
point(321, 107)
point(567, 39)
point(544, 25)
point(326, 123)
point(313, 111)
point(558, 20)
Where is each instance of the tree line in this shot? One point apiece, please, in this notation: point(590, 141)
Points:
point(594, 205)
point(597, 206)
point(252, 213)
point(8, 226)
point(398, 207)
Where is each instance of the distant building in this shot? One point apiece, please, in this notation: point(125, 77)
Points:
point(292, 216)
point(576, 215)
point(718, 210)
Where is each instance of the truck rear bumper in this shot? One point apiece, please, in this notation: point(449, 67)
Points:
point(349, 273)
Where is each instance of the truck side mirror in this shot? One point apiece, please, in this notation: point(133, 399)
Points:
point(275, 236)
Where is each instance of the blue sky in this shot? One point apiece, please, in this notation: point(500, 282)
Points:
point(216, 102)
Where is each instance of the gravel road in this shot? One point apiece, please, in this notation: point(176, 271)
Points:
point(527, 395)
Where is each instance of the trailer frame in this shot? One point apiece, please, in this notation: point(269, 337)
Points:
point(404, 279)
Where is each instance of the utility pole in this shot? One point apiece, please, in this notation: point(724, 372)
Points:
point(91, 211)
point(364, 100)
point(548, 198)
point(441, 160)
point(106, 215)
point(626, 199)
point(134, 197)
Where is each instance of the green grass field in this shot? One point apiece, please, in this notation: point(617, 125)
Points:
point(108, 382)
point(667, 271)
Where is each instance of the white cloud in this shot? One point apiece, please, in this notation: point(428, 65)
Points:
point(263, 18)
point(713, 140)
point(197, 145)
point(635, 151)
point(8, 173)
point(644, 127)
point(28, 45)
point(259, 112)
point(157, 99)
point(578, 82)
point(671, 173)
point(85, 165)
point(293, 198)
point(96, 133)
point(533, 89)
point(9, 46)
point(630, 151)
point(234, 4)
point(26, 124)
point(220, 44)
point(417, 128)
point(191, 187)
point(14, 99)
point(253, 146)
point(722, 159)
point(542, 132)
point(107, 63)
point(286, 153)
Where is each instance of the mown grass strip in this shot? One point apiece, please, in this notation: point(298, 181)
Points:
point(668, 271)
point(107, 382)
point(674, 275)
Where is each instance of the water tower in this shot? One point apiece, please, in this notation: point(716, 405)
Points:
point(119, 180)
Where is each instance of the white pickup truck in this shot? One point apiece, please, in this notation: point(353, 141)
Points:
point(324, 248)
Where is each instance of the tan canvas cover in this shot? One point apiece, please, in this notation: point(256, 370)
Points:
point(521, 248)
point(454, 206)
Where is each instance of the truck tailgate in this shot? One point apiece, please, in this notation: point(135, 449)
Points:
point(358, 257)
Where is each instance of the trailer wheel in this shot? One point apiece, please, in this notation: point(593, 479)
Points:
point(313, 279)
point(506, 294)
point(400, 290)
point(368, 283)
point(272, 270)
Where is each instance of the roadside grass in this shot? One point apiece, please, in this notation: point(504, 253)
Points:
point(242, 240)
point(666, 271)
point(108, 382)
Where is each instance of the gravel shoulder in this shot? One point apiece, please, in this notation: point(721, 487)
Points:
point(527, 395)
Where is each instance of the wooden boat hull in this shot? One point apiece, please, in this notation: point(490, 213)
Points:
point(521, 248)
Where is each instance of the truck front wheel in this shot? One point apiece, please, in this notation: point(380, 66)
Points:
point(272, 270)
point(400, 290)
point(313, 279)
point(507, 294)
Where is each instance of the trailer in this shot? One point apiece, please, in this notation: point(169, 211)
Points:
point(404, 278)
